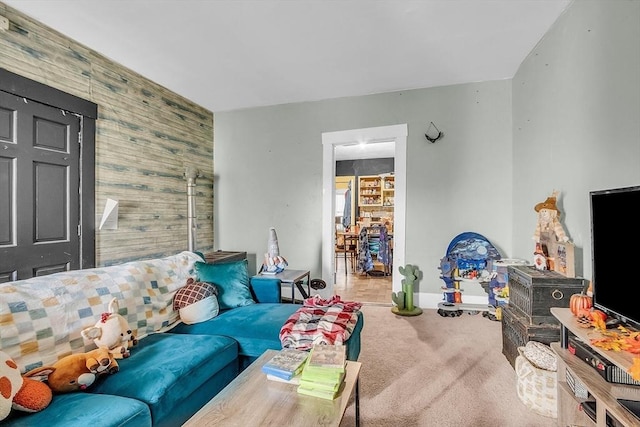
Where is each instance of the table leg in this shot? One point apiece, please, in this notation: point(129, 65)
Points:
point(357, 402)
point(298, 284)
point(345, 256)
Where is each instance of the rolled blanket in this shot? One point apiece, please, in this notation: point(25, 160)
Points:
point(320, 321)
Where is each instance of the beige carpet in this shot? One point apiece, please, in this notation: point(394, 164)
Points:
point(430, 370)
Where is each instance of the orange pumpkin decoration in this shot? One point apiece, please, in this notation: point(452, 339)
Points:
point(579, 303)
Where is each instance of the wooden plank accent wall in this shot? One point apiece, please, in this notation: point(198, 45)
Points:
point(146, 136)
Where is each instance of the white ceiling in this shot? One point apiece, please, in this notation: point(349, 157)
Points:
point(234, 54)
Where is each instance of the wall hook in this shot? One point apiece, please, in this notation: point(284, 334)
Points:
point(437, 137)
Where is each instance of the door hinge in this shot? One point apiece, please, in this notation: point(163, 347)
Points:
point(81, 120)
point(79, 230)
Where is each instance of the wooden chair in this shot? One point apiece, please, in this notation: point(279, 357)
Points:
point(346, 247)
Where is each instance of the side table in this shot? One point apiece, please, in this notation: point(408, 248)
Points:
point(295, 279)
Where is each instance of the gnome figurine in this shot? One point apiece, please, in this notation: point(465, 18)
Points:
point(273, 262)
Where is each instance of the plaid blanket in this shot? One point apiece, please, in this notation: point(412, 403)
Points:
point(320, 321)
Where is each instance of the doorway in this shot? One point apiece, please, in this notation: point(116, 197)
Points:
point(330, 140)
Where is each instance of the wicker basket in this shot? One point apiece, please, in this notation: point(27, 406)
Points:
point(537, 388)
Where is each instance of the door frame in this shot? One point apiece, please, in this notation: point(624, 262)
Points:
point(395, 133)
point(30, 89)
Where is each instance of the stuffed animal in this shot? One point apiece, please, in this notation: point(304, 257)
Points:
point(549, 219)
point(112, 332)
point(18, 392)
point(78, 371)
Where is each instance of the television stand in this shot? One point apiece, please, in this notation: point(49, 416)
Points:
point(606, 395)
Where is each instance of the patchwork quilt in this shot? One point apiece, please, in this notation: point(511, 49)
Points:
point(41, 318)
point(320, 321)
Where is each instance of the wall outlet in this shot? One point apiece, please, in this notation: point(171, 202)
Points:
point(4, 23)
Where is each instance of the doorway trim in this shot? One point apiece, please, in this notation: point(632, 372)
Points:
point(39, 92)
point(395, 133)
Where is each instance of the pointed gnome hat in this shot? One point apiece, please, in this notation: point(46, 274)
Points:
point(273, 262)
point(272, 246)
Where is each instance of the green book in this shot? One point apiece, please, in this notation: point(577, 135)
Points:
point(317, 385)
point(321, 375)
point(323, 394)
point(327, 358)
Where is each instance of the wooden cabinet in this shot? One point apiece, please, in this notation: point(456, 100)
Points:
point(574, 371)
point(376, 191)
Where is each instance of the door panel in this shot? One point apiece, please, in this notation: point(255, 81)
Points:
point(39, 189)
point(6, 202)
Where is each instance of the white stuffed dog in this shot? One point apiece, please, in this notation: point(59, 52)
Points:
point(112, 332)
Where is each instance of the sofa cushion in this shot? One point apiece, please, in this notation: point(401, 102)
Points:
point(165, 369)
point(196, 302)
point(231, 279)
point(256, 327)
point(200, 311)
point(83, 410)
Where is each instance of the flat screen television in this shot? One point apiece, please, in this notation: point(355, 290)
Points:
point(615, 232)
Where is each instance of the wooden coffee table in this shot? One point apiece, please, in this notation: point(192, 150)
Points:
point(253, 400)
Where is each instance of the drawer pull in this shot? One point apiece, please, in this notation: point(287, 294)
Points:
point(557, 294)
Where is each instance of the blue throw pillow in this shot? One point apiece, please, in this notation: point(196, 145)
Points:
point(231, 279)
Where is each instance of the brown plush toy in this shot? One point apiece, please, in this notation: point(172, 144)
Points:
point(76, 372)
point(20, 392)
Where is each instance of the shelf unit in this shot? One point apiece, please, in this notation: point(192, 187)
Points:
point(369, 191)
point(376, 193)
point(603, 393)
point(388, 191)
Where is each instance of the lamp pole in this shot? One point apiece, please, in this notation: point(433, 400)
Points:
point(191, 174)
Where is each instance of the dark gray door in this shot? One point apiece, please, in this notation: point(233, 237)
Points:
point(39, 189)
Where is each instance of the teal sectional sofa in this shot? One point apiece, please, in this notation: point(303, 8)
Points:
point(175, 368)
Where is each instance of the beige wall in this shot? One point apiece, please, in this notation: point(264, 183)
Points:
point(568, 120)
point(576, 104)
point(146, 136)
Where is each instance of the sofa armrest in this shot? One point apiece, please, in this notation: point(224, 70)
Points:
point(266, 289)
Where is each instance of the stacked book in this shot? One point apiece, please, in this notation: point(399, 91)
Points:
point(324, 371)
point(285, 365)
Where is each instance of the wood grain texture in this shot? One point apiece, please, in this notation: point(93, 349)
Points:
point(253, 400)
point(146, 136)
point(603, 392)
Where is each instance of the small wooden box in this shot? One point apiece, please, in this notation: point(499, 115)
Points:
point(560, 255)
point(533, 292)
point(224, 256)
point(517, 331)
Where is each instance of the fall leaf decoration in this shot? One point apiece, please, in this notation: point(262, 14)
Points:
point(621, 340)
point(634, 371)
point(599, 324)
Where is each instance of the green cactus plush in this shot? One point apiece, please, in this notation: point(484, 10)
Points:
point(404, 298)
point(398, 299)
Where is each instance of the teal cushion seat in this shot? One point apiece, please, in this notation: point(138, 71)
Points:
point(231, 279)
point(165, 370)
point(83, 409)
point(256, 327)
